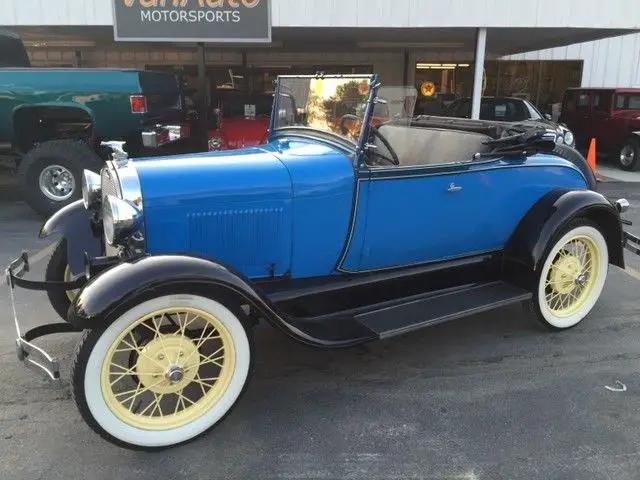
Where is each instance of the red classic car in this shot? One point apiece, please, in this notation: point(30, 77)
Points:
point(611, 116)
point(239, 120)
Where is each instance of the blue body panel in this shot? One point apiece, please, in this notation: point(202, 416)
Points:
point(233, 206)
point(411, 218)
point(282, 208)
point(323, 186)
point(287, 208)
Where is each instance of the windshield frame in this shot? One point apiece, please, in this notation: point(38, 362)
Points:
point(359, 146)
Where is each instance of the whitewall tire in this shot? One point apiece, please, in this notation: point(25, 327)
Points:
point(572, 276)
point(163, 373)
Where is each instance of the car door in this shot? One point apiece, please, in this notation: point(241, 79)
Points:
point(599, 125)
point(576, 112)
point(428, 213)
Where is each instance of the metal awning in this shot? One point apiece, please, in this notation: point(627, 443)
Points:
point(500, 41)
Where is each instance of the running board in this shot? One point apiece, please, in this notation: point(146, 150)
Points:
point(401, 318)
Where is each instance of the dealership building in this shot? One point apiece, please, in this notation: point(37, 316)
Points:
point(533, 49)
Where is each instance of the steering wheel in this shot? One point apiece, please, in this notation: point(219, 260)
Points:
point(394, 156)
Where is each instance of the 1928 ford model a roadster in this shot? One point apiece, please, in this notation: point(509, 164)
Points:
point(167, 263)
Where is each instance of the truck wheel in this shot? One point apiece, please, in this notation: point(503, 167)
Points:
point(628, 155)
point(572, 276)
point(50, 174)
point(58, 271)
point(163, 372)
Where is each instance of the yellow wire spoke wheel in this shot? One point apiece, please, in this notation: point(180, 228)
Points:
point(573, 276)
point(164, 372)
point(173, 384)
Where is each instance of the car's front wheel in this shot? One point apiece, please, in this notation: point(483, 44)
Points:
point(58, 271)
point(572, 276)
point(164, 372)
point(629, 154)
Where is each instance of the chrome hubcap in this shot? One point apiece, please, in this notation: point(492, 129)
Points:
point(627, 155)
point(581, 281)
point(174, 374)
point(57, 183)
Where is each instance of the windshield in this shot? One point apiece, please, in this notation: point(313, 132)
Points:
point(332, 104)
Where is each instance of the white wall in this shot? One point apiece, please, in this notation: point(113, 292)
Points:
point(612, 62)
point(367, 13)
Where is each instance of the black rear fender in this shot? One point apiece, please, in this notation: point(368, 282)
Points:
point(117, 289)
point(75, 224)
point(525, 250)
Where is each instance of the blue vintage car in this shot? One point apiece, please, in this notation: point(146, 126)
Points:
point(335, 236)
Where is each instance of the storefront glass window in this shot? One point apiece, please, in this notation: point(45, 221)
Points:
point(542, 83)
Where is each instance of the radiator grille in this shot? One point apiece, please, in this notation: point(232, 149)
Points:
point(109, 183)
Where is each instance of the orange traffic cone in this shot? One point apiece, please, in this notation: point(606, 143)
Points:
point(591, 159)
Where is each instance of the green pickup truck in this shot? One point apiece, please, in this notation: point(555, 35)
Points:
point(53, 121)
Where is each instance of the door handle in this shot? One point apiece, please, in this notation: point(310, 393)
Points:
point(453, 188)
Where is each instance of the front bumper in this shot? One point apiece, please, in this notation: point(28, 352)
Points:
point(27, 351)
point(165, 134)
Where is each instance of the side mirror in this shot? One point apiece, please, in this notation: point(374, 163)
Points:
point(548, 116)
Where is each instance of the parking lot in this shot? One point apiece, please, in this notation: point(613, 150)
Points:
point(488, 397)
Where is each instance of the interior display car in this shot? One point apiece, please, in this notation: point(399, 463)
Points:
point(512, 109)
point(332, 240)
point(239, 120)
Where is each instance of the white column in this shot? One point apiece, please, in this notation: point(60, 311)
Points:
point(481, 46)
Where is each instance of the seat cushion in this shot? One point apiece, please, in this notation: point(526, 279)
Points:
point(431, 146)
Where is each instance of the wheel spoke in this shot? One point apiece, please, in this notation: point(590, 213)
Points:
point(138, 392)
point(183, 330)
point(203, 382)
point(126, 373)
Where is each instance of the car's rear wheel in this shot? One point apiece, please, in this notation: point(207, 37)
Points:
point(164, 372)
point(629, 154)
point(572, 276)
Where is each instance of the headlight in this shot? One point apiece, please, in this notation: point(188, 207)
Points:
point(119, 218)
point(568, 137)
point(90, 188)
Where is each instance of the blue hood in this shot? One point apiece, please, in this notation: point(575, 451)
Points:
point(199, 204)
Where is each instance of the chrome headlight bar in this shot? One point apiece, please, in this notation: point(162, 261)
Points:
point(116, 191)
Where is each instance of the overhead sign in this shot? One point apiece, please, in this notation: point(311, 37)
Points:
point(222, 21)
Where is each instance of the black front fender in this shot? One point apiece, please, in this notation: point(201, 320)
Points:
point(117, 289)
point(76, 225)
point(525, 251)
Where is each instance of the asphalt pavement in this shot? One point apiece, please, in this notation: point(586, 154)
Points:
point(493, 396)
